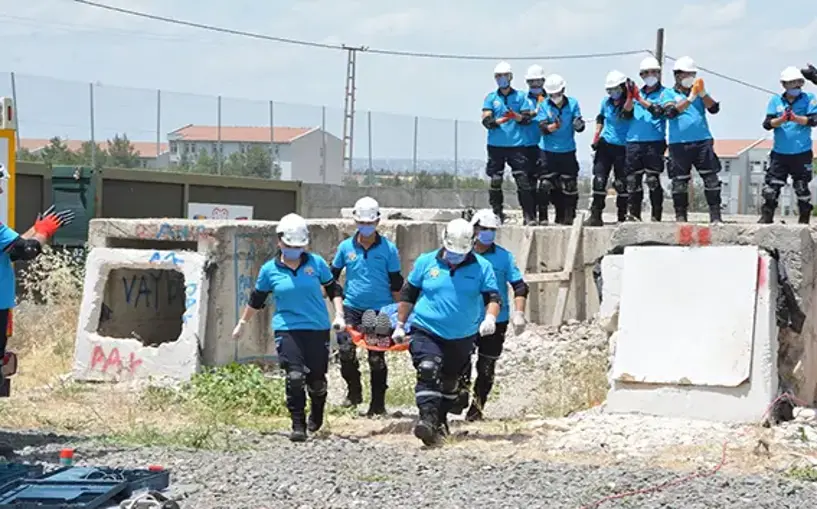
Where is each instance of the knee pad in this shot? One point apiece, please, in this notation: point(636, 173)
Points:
point(449, 385)
point(317, 387)
point(496, 183)
point(711, 182)
point(428, 371)
point(545, 185)
point(346, 351)
point(599, 184)
point(620, 187)
point(522, 182)
point(296, 380)
point(652, 181)
point(680, 186)
point(569, 185)
point(377, 362)
point(634, 181)
point(801, 188)
point(770, 193)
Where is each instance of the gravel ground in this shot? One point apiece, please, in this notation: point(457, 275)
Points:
point(335, 472)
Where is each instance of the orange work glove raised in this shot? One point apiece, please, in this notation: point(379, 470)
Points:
point(49, 222)
point(698, 87)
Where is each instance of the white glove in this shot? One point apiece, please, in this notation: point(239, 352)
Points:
point(339, 323)
point(518, 322)
point(239, 329)
point(399, 334)
point(488, 326)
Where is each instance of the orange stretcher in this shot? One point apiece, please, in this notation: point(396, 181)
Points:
point(377, 344)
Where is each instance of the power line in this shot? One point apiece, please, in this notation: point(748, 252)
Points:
point(729, 78)
point(312, 44)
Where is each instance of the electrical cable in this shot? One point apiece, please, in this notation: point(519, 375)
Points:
point(312, 44)
point(729, 78)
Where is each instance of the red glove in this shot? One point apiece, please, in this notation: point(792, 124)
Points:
point(49, 222)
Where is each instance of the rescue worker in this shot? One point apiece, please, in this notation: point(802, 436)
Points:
point(489, 348)
point(373, 280)
point(690, 140)
point(559, 119)
point(612, 124)
point(791, 115)
point(447, 290)
point(535, 78)
point(21, 247)
point(505, 112)
point(296, 277)
point(646, 141)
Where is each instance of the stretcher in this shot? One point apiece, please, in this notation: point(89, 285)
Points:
point(375, 343)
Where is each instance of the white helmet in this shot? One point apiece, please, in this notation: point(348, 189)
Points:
point(485, 218)
point(458, 236)
point(791, 74)
point(535, 72)
point(293, 231)
point(614, 79)
point(366, 210)
point(554, 84)
point(503, 68)
point(649, 64)
point(685, 64)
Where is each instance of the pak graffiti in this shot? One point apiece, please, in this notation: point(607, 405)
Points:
point(112, 362)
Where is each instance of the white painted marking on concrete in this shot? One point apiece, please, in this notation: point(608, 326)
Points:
point(687, 315)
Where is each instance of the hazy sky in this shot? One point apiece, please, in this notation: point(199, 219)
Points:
point(748, 39)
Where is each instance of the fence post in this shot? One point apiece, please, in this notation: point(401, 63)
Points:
point(369, 125)
point(16, 110)
point(456, 155)
point(323, 144)
point(272, 140)
point(218, 142)
point(414, 157)
point(159, 124)
point(93, 133)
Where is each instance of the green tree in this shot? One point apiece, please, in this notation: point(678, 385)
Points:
point(24, 154)
point(472, 183)
point(121, 153)
point(57, 153)
point(444, 180)
point(394, 181)
point(205, 163)
point(424, 180)
point(258, 162)
point(85, 155)
point(350, 181)
point(369, 178)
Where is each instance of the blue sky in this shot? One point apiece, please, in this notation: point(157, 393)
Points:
point(70, 41)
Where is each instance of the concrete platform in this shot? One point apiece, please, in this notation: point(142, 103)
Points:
point(699, 341)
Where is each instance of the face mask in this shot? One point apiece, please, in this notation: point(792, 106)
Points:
point(486, 237)
point(366, 229)
point(292, 253)
point(503, 82)
point(557, 99)
point(793, 92)
point(650, 81)
point(454, 258)
point(537, 91)
point(615, 95)
point(687, 82)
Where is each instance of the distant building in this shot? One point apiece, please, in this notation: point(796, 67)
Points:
point(297, 150)
point(151, 155)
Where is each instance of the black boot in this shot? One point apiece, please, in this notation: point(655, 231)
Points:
point(496, 199)
point(656, 204)
point(621, 208)
point(354, 396)
point(715, 214)
point(713, 199)
point(805, 213)
point(378, 404)
point(298, 433)
point(316, 413)
point(543, 214)
point(350, 371)
point(595, 218)
point(426, 427)
point(635, 210)
point(680, 202)
point(486, 368)
point(527, 200)
point(767, 212)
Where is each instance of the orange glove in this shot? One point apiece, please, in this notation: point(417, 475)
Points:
point(49, 222)
point(697, 87)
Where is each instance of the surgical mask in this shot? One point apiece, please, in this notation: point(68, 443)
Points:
point(651, 81)
point(366, 229)
point(486, 237)
point(557, 99)
point(793, 92)
point(615, 94)
point(292, 253)
point(537, 91)
point(503, 82)
point(454, 258)
point(688, 82)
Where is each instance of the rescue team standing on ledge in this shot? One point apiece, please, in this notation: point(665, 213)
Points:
point(639, 131)
point(455, 300)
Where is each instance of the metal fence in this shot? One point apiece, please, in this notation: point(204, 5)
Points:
point(82, 112)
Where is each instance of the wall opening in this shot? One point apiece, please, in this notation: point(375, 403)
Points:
point(143, 304)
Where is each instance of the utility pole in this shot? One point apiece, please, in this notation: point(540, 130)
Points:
point(349, 106)
point(659, 47)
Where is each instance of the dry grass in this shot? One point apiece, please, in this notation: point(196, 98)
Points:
point(573, 385)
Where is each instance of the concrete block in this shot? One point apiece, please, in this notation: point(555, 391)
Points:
point(747, 402)
point(612, 271)
point(143, 314)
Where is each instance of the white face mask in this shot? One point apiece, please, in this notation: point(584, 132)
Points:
point(557, 99)
point(650, 81)
point(688, 82)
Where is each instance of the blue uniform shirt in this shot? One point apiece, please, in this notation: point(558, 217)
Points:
point(689, 126)
point(506, 272)
point(451, 302)
point(564, 138)
point(7, 284)
point(299, 303)
point(511, 133)
point(792, 138)
point(531, 131)
point(644, 127)
point(615, 128)
point(367, 272)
